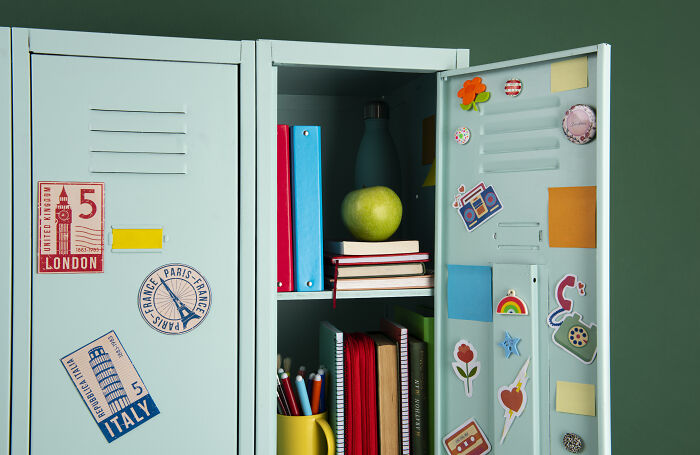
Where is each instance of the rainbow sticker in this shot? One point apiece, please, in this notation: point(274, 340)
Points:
point(512, 304)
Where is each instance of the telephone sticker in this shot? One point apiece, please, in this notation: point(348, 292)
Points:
point(110, 386)
point(570, 332)
point(174, 299)
point(476, 205)
point(70, 222)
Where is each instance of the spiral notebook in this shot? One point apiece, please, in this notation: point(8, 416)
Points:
point(331, 355)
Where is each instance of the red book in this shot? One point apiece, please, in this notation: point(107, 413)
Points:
point(285, 252)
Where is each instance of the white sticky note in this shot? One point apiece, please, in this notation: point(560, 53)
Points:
point(569, 74)
point(576, 398)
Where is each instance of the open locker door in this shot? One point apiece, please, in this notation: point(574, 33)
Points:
point(134, 174)
point(522, 207)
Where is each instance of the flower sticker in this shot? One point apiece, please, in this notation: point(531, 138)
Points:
point(472, 92)
point(466, 367)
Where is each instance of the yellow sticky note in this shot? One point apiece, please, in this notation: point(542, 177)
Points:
point(430, 179)
point(572, 217)
point(569, 74)
point(137, 239)
point(576, 398)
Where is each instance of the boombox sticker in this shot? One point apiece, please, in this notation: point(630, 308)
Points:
point(476, 205)
point(571, 333)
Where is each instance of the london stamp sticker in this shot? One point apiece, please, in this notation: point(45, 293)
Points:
point(174, 299)
point(70, 231)
point(110, 386)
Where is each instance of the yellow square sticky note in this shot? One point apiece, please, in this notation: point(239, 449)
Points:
point(137, 239)
point(569, 74)
point(576, 398)
point(572, 217)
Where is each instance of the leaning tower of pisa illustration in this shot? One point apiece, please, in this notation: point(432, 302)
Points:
point(108, 379)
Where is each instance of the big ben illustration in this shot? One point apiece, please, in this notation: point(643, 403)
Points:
point(64, 219)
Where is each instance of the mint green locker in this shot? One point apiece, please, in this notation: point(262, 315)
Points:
point(518, 149)
point(161, 132)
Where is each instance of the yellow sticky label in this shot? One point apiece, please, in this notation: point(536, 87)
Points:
point(569, 74)
point(137, 239)
point(576, 398)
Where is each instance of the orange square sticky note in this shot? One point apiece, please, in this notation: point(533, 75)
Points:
point(572, 217)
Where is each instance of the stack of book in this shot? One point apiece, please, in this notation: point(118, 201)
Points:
point(376, 265)
point(377, 390)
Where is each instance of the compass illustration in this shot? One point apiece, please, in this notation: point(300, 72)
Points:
point(174, 298)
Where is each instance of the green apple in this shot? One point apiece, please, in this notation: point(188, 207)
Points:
point(372, 214)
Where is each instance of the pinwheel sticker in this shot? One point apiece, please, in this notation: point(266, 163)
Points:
point(473, 92)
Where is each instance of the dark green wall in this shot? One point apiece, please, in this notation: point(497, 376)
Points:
point(655, 157)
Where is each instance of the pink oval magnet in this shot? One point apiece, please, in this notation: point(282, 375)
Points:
point(579, 124)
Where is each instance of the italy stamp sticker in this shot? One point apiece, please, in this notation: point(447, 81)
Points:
point(70, 231)
point(110, 386)
point(174, 298)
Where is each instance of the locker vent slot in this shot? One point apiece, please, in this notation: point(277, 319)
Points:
point(138, 141)
point(521, 124)
point(137, 163)
point(520, 105)
point(535, 144)
point(500, 167)
point(138, 121)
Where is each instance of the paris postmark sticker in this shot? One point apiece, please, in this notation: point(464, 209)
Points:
point(110, 386)
point(174, 299)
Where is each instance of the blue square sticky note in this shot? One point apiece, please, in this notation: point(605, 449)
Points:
point(469, 293)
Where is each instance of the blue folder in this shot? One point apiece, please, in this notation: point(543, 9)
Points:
point(307, 208)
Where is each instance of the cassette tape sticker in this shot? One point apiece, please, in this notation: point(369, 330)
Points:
point(110, 386)
point(476, 205)
point(467, 438)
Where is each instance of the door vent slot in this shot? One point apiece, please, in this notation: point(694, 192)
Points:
point(520, 105)
point(532, 165)
point(534, 144)
point(138, 121)
point(520, 125)
point(137, 163)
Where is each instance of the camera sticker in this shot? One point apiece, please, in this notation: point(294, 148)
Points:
point(467, 438)
point(510, 345)
point(476, 205)
point(513, 398)
point(570, 332)
point(512, 304)
point(466, 367)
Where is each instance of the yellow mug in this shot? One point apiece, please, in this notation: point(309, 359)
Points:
point(305, 435)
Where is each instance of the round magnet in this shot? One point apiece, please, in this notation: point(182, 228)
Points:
point(579, 124)
point(573, 443)
point(462, 135)
point(513, 87)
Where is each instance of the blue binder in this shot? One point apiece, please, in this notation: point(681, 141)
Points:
point(307, 208)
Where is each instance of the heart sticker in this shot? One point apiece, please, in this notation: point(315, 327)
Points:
point(513, 399)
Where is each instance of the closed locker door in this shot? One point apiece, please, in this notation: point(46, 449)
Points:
point(162, 138)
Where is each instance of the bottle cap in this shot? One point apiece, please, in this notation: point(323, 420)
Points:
point(579, 124)
point(376, 109)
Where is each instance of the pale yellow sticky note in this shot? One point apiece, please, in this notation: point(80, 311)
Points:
point(576, 398)
point(569, 74)
point(430, 179)
point(137, 239)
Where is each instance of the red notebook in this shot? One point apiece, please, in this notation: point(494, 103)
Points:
point(285, 252)
point(361, 436)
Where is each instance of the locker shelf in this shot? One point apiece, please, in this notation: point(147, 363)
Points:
point(380, 293)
